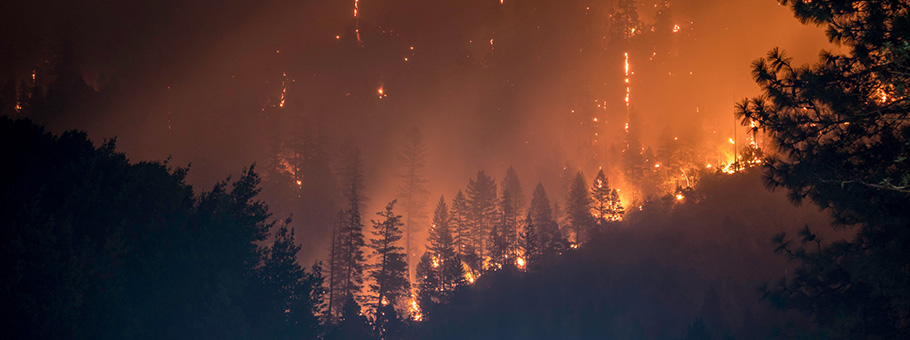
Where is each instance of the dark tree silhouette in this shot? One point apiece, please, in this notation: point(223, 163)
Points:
point(841, 133)
point(347, 273)
point(578, 206)
point(481, 194)
point(389, 274)
point(412, 192)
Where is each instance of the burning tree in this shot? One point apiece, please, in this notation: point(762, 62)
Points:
point(841, 131)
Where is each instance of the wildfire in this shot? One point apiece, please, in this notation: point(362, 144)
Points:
point(414, 309)
point(628, 88)
point(357, 21)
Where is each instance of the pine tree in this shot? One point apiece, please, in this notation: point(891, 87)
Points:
point(442, 250)
point(511, 183)
point(550, 238)
point(461, 226)
point(348, 270)
point(530, 244)
point(841, 135)
point(429, 293)
point(412, 191)
point(600, 195)
point(389, 274)
point(481, 193)
point(579, 208)
point(616, 209)
point(508, 225)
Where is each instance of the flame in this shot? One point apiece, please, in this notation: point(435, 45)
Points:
point(628, 88)
point(414, 309)
point(521, 262)
point(381, 92)
point(675, 28)
point(679, 197)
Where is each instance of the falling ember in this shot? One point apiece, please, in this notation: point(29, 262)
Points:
point(299, 183)
point(357, 21)
point(381, 92)
point(628, 88)
point(675, 28)
point(284, 89)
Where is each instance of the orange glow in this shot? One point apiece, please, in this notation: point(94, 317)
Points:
point(381, 92)
point(628, 88)
point(675, 28)
point(414, 309)
point(679, 197)
point(521, 262)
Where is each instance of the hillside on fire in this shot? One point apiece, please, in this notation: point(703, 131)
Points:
point(472, 169)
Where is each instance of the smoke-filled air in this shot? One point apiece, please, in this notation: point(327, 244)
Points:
point(473, 169)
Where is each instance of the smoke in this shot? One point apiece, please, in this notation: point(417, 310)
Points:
point(491, 85)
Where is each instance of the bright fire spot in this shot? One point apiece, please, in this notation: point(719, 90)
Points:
point(679, 197)
point(415, 310)
point(337, 37)
point(299, 182)
point(731, 141)
point(468, 275)
point(521, 262)
point(385, 302)
point(435, 262)
point(628, 88)
point(381, 92)
point(657, 165)
point(595, 119)
point(574, 246)
point(675, 28)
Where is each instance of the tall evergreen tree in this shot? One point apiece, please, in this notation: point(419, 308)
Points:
point(348, 271)
point(442, 249)
point(460, 223)
point(600, 195)
point(390, 285)
point(841, 133)
point(550, 238)
point(481, 193)
point(530, 243)
point(579, 208)
point(511, 183)
point(412, 191)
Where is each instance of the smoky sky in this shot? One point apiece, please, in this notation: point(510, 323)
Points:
point(490, 84)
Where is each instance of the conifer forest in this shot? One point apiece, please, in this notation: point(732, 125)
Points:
point(455, 169)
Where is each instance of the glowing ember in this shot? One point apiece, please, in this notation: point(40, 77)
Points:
point(675, 28)
point(521, 262)
point(284, 89)
point(679, 197)
point(381, 92)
